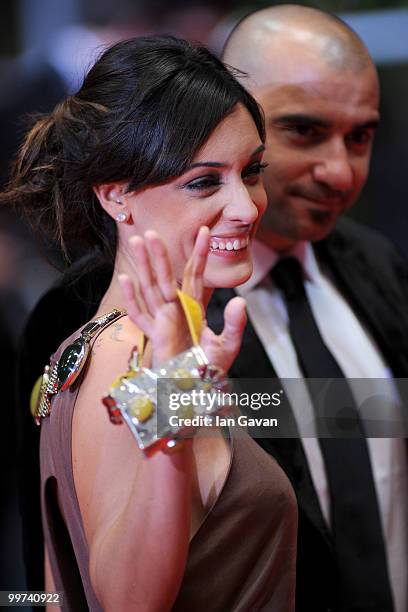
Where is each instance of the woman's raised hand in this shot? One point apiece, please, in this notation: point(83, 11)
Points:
point(152, 303)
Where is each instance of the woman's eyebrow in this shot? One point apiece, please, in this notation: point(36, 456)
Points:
point(208, 164)
point(213, 164)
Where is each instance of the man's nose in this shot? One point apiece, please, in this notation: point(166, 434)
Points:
point(335, 170)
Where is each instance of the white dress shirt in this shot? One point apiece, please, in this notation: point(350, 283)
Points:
point(359, 358)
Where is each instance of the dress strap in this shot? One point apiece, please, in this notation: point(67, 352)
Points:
point(61, 374)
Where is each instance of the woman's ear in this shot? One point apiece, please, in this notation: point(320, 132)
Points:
point(112, 198)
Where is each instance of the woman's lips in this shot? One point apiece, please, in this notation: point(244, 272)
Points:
point(229, 243)
point(231, 247)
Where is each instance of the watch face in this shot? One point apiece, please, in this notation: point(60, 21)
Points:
point(71, 363)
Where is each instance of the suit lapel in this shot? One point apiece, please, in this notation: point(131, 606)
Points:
point(369, 294)
point(372, 297)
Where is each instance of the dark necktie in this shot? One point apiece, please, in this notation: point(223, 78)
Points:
point(355, 518)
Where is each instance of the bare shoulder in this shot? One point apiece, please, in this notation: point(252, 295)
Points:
point(108, 358)
point(115, 336)
point(104, 456)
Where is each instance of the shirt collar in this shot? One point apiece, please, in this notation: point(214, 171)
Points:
point(264, 258)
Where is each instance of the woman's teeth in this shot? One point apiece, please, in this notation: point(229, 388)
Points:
point(230, 245)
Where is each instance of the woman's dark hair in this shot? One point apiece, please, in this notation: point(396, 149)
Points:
point(143, 111)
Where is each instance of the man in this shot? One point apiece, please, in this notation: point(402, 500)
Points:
point(319, 90)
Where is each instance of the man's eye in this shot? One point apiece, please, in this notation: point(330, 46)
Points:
point(360, 137)
point(254, 169)
point(203, 183)
point(305, 131)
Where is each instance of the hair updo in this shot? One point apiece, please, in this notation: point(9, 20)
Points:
point(143, 111)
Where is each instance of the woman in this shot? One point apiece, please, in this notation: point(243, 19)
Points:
point(157, 161)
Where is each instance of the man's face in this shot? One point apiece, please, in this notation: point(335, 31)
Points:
point(320, 129)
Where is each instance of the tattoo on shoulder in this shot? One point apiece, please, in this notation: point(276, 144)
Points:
point(98, 343)
point(117, 328)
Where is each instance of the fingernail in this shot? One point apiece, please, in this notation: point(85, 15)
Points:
point(133, 240)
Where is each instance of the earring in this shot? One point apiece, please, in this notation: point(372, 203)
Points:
point(122, 217)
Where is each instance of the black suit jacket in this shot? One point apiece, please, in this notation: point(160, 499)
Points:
point(374, 279)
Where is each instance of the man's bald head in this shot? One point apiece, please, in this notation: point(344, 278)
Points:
point(266, 42)
point(319, 90)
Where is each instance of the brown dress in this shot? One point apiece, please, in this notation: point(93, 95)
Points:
point(242, 558)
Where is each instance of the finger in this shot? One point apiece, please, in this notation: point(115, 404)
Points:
point(235, 319)
point(131, 293)
point(134, 304)
point(200, 251)
point(194, 270)
point(146, 278)
point(163, 269)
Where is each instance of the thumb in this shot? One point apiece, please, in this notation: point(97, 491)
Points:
point(235, 319)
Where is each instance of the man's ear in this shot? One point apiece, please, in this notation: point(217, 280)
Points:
point(112, 199)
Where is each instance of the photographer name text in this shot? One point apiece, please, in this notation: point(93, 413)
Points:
point(205, 420)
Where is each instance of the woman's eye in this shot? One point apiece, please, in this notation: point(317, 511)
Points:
point(254, 170)
point(203, 183)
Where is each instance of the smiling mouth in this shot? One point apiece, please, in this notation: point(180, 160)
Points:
point(229, 244)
